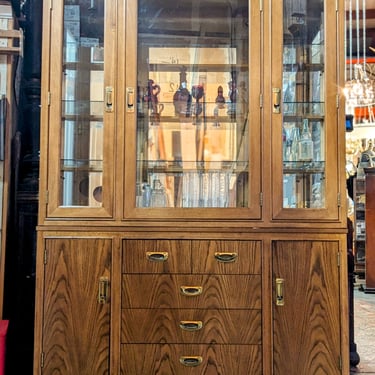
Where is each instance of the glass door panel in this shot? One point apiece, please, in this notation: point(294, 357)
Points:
point(192, 125)
point(303, 106)
point(81, 162)
point(306, 108)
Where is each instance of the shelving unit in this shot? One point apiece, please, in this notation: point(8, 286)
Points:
point(359, 194)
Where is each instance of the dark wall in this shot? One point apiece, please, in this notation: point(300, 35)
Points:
point(19, 289)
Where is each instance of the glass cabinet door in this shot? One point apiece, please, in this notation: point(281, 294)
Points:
point(81, 109)
point(196, 131)
point(304, 105)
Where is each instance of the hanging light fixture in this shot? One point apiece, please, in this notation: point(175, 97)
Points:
point(359, 90)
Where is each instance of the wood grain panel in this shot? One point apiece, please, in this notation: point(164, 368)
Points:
point(307, 328)
point(135, 260)
point(164, 359)
point(76, 327)
point(219, 291)
point(163, 325)
point(248, 260)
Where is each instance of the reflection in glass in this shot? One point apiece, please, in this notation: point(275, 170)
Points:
point(303, 105)
point(192, 108)
point(82, 105)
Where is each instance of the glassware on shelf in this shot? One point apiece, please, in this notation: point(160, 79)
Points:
point(158, 195)
point(146, 195)
point(220, 105)
point(305, 146)
point(295, 145)
point(182, 97)
point(197, 93)
point(233, 92)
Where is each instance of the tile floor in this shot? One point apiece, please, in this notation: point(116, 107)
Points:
point(364, 330)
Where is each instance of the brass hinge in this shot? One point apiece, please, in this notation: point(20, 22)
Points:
point(340, 362)
point(42, 360)
point(338, 259)
point(45, 256)
point(338, 200)
point(47, 196)
point(261, 101)
point(49, 98)
point(261, 199)
point(337, 101)
point(50, 4)
point(261, 5)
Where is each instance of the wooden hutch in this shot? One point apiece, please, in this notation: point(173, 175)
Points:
point(192, 189)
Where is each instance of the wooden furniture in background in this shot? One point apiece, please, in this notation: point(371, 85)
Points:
point(370, 230)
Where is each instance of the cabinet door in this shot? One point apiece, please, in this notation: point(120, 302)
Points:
point(307, 130)
point(192, 112)
point(79, 126)
point(76, 323)
point(306, 309)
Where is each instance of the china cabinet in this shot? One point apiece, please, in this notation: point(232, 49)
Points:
point(192, 191)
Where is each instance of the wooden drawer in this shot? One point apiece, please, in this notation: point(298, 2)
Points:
point(217, 291)
point(185, 256)
point(156, 256)
point(226, 257)
point(168, 359)
point(191, 326)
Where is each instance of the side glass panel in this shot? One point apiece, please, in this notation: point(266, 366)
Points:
point(192, 104)
point(81, 153)
point(303, 93)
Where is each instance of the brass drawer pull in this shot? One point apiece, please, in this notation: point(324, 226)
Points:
point(276, 95)
point(109, 99)
point(191, 361)
point(191, 291)
point(130, 95)
point(188, 325)
point(155, 256)
point(280, 292)
point(103, 290)
point(226, 257)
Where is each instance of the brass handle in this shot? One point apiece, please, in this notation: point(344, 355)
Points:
point(226, 257)
point(191, 291)
point(109, 99)
point(280, 292)
point(276, 94)
point(103, 290)
point(129, 99)
point(188, 325)
point(154, 256)
point(191, 361)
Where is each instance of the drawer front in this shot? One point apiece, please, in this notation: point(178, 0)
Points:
point(172, 359)
point(191, 291)
point(191, 326)
point(156, 256)
point(226, 257)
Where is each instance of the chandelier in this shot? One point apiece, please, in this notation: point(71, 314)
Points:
point(359, 88)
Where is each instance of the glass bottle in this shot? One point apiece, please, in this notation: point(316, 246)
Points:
point(305, 147)
point(158, 195)
point(295, 145)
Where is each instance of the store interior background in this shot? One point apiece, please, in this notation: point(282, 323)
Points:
point(360, 147)
point(360, 110)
